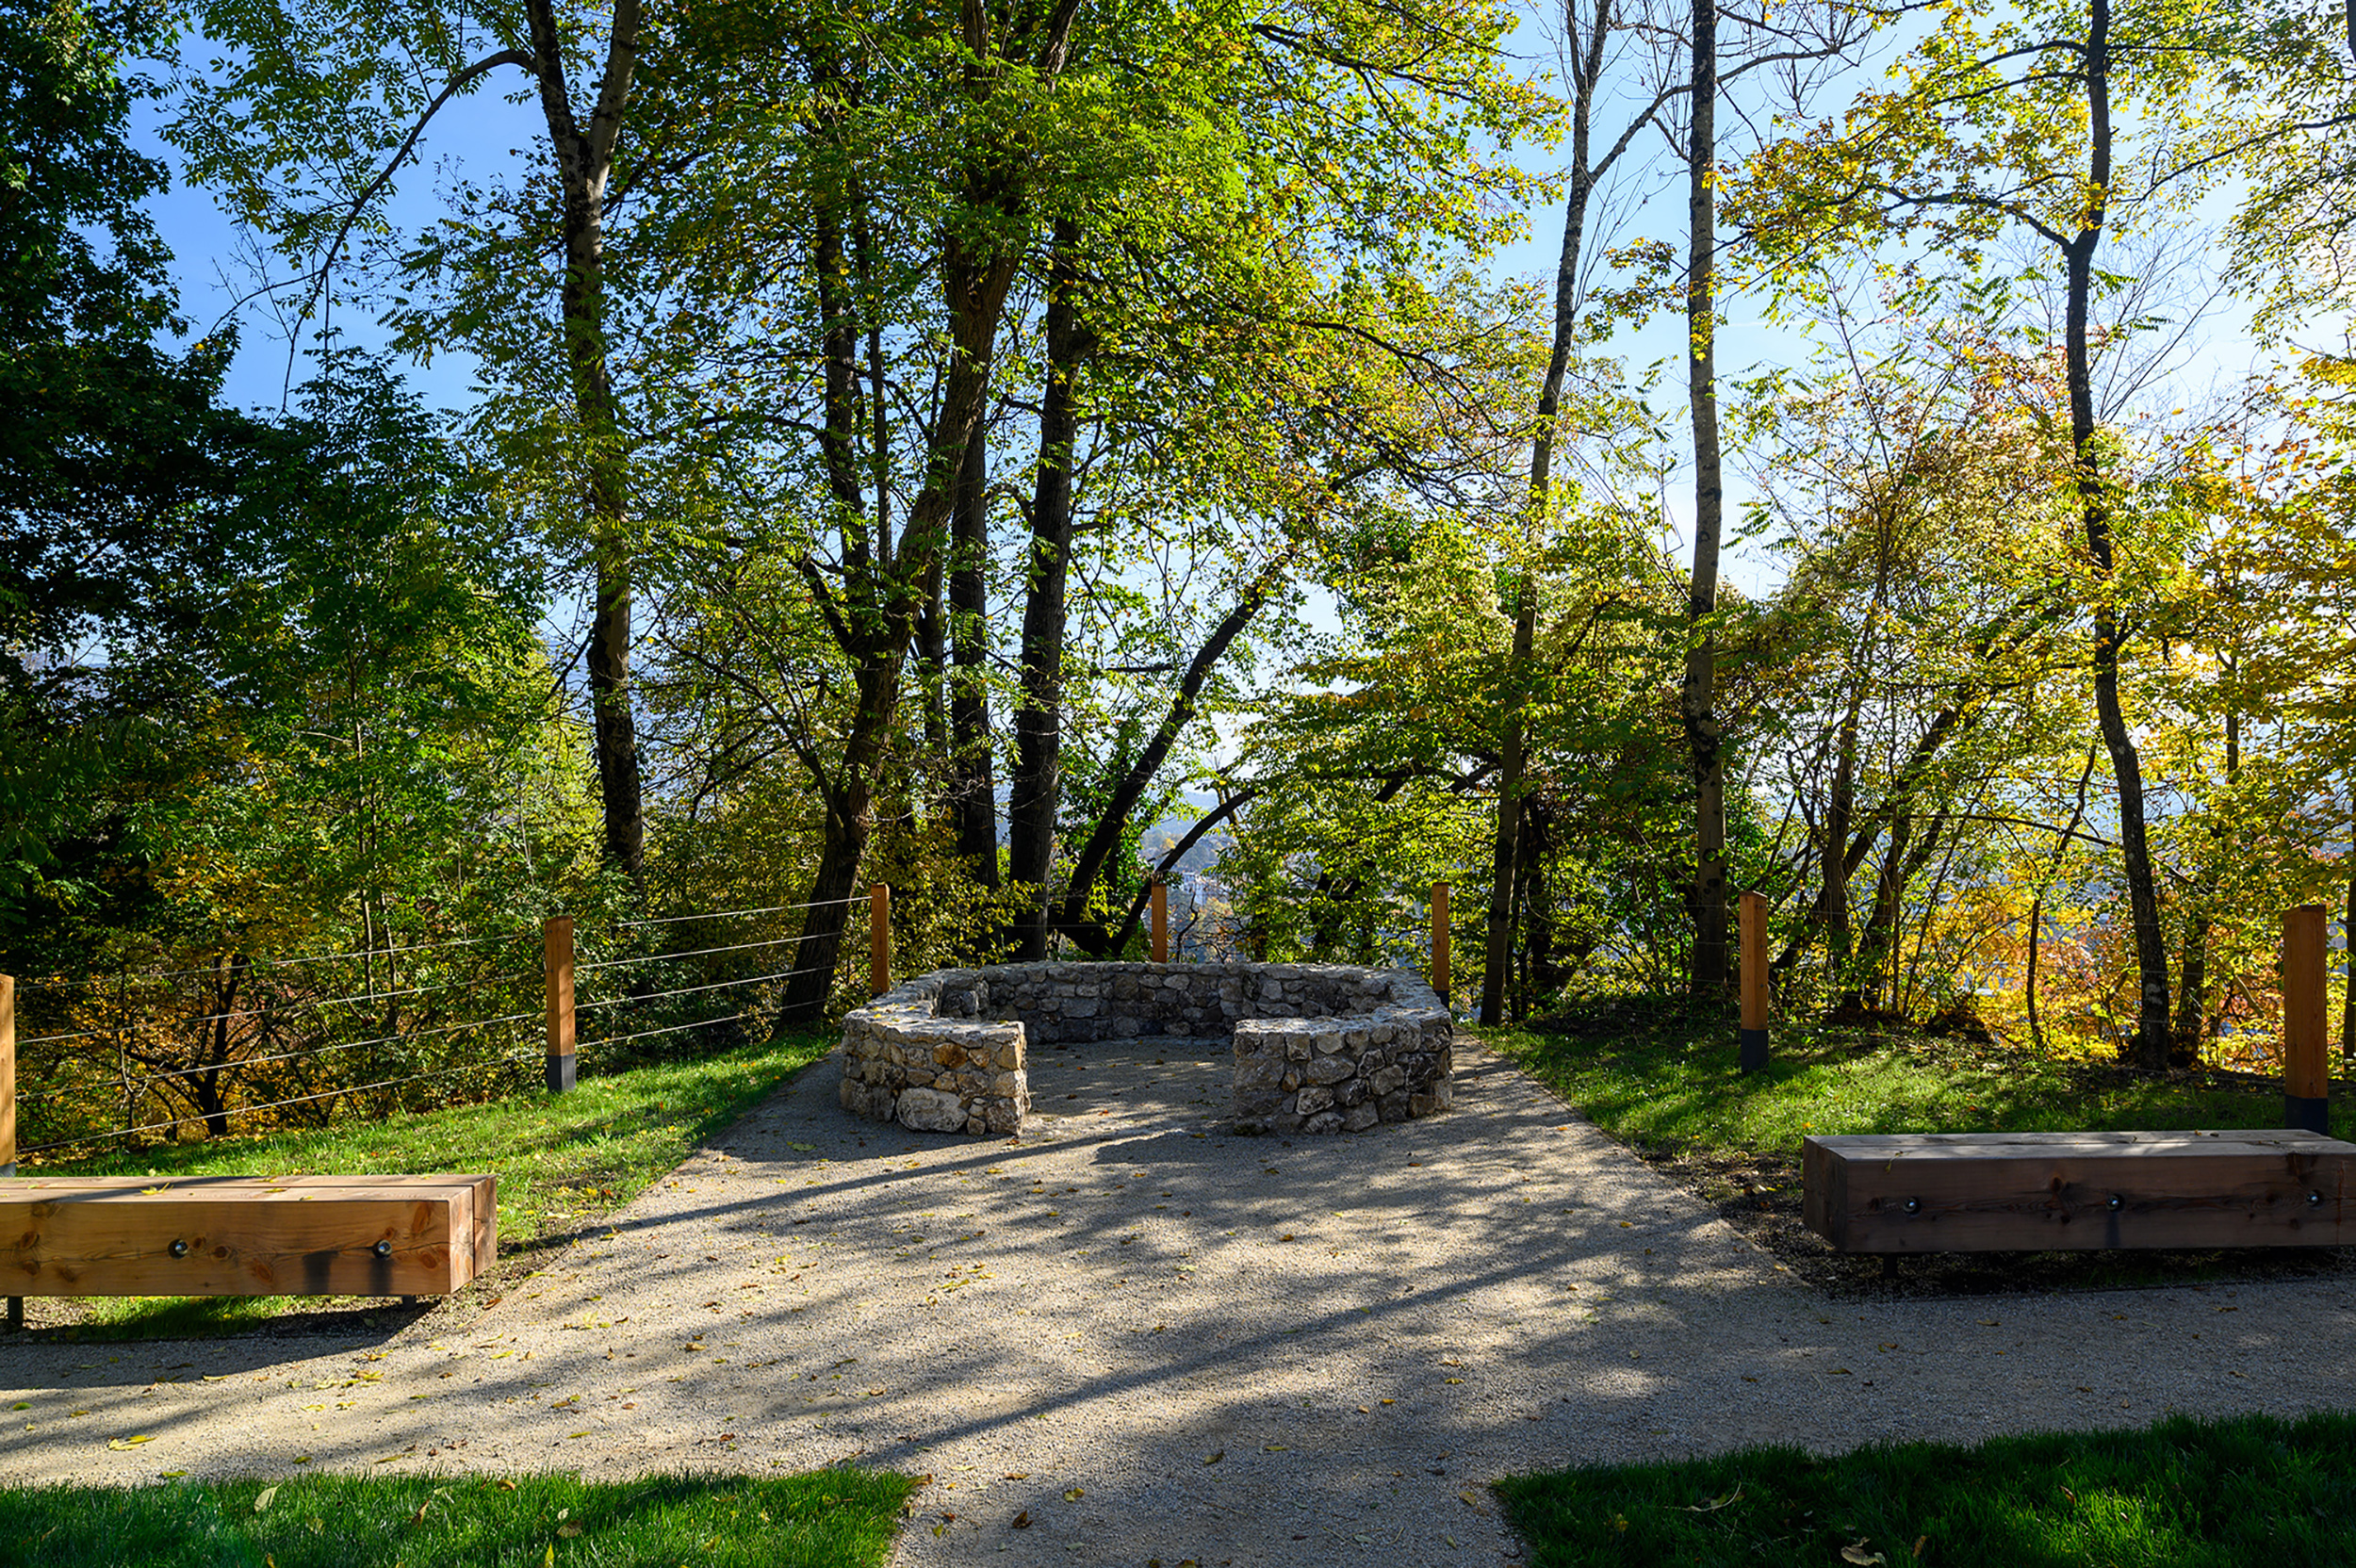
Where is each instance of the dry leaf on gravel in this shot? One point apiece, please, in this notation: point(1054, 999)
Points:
point(1215, 1457)
point(1074, 1495)
point(1023, 1520)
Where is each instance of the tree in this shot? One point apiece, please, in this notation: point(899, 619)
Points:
point(307, 145)
point(2016, 121)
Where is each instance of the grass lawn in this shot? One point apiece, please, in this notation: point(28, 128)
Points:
point(1667, 1085)
point(2186, 1492)
point(830, 1519)
point(562, 1160)
point(1652, 1078)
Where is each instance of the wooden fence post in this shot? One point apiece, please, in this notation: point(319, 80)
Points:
point(879, 939)
point(2306, 1057)
point(1161, 920)
point(1439, 938)
point(15, 1319)
point(556, 942)
point(1752, 1038)
point(7, 1075)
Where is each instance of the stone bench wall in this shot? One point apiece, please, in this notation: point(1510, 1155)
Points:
point(1318, 1047)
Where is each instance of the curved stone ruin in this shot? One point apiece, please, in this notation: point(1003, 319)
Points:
point(1318, 1047)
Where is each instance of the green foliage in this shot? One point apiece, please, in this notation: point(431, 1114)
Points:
point(2185, 1492)
point(825, 1519)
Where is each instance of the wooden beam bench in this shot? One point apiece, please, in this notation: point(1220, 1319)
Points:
point(1982, 1192)
point(242, 1235)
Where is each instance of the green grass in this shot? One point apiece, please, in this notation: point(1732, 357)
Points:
point(562, 1160)
point(828, 1519)
point(1658, 1081)
point(2186, 1494)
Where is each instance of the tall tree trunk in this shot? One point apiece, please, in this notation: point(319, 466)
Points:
point(1587, 69)
point(1506, 851)
point(1698, 704)
point(932, 674)
point(1537, 907)
point(584, 161)
point(1832, 899)
point(884, 583)
point(1037, 788)
point(2150, 1046)
point(2192, 990)
point(974, 791)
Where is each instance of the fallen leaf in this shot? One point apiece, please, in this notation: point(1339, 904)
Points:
point(119, 1444)
point(1273, 1448)
point(1215, 1457)
point(1074, 1495)
point(1023, 1520)
point(800, 1148)
point(1857, 1554)
point(263, 1498)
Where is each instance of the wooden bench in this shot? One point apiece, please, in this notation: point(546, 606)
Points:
point(1981, 1192)
point(243, 1236)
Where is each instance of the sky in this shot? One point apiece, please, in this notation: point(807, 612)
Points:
point(214, 266)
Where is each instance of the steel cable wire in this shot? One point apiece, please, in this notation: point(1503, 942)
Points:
point(280, 1104)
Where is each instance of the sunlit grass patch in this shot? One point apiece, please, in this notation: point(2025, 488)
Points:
point(2186, 1492)
point(826, 1519)
point(1676, 1086)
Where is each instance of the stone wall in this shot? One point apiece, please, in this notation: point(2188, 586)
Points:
point(1318, 1047)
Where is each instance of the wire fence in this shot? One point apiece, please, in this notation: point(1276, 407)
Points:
point(256, 1043)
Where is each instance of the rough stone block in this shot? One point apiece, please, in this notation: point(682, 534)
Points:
point(1311, 1099)
point(1324, 1121)
point(931, 1111)
point(1359, 1119)
point(1330, 1069)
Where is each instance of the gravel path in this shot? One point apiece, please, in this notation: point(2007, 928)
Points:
point(1156, 1341)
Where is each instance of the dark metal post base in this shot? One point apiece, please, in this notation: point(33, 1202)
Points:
point(2309, 1115)
point(562, 1071)
point(16, 1314)
point(1754, 1049)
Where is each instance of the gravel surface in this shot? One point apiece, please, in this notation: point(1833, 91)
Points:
point(1152, 1340)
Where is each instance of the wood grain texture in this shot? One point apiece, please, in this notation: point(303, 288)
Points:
point(2306, 1051)
point(1752, 938)
point(556, 943)
point(246, 1235)
point(7, 1072)
point(1969, 1192)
